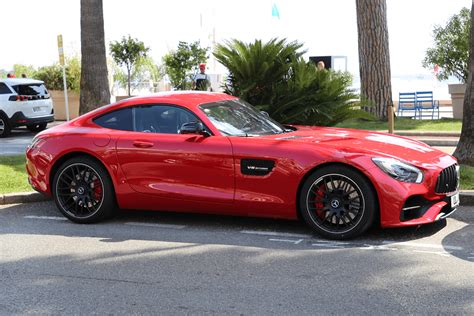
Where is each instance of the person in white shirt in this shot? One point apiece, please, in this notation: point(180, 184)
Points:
point(201, 80)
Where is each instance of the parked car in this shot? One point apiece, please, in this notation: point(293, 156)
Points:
point(24, 102)
point(213, 153)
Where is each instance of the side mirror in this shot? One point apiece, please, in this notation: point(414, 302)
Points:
point(193, 128)
point(264, 113)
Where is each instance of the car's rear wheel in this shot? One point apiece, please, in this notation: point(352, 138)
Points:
point(5, 128)
point(338, 202)
point(37, 127)
point(83, 190)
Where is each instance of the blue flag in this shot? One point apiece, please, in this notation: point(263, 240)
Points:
point(275, 12)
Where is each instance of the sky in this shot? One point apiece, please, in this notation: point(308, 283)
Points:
point(325, 27)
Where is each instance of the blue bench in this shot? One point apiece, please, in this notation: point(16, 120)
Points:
point(424, 101)
point(418, 102)
point(406, 102)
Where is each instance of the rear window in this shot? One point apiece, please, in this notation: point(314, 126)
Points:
point(4, 89)
point(30, 89)
point(120, 120)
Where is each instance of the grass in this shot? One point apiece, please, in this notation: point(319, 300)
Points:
point(13, 176)
point(467, 177)
point(441, 125)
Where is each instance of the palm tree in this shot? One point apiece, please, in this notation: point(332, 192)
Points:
point(274, 77)
point(374, 55)
point(465, 150)
point(94, 81)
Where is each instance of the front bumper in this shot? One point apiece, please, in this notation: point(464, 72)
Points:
point(19, 119)
point(410, 204)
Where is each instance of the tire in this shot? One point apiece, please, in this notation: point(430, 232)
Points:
point(37, 127)
point(83, 191)
point(5, 128)
point(338, 202)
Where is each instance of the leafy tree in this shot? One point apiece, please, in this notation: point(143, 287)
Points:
point(128, 53)
point(274, 77)
point(451, 47)
point(180, 64)
point(94, 85)
point(28, 70)
point(374, 56)
point(144, 70)
point(465, 149)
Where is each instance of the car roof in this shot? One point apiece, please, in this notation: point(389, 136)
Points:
point(17, 81)
point(188, 99)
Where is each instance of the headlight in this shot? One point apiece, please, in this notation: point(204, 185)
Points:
point(399, 170)
point(35, 142)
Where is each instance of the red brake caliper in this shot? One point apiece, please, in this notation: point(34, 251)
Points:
point(97, 190)
point(318, 201)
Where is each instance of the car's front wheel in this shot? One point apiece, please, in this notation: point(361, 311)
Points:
point(37, 127)
point(338, 202)
point(83, 190)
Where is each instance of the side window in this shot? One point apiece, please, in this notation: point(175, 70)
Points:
point(4, 89)
point(164, 119)
point(120, 120)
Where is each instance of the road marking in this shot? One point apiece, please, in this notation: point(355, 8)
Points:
point(287, 240)
point(267, 233)
point(55, 218)
point(333, 242)
point(328, 245)
point(173, 226)
point(377, 247)
point(440, 253)
point(421, 245)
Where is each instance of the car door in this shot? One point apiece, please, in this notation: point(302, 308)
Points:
point(158, 161)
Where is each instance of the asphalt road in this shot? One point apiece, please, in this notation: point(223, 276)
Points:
point(172, 264)
point(19, 139)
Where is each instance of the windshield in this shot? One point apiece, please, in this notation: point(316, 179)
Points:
point(238, 118)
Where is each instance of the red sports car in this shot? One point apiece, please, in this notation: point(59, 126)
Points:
point(213, 153)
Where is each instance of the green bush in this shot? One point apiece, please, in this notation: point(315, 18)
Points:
point(53, 75)
point(274, 77)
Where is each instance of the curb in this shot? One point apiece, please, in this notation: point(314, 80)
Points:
point(439, 142)
point(466, 198)
point(23, 197)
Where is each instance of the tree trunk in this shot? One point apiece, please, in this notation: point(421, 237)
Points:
point(128, 80)
point(465, 150)
point(374, 56)
point(94, 81)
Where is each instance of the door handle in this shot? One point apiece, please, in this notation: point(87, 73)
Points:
point(142, 144)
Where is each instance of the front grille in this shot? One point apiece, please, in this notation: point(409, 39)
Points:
point(448, 180)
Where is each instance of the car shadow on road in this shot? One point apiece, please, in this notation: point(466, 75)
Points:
point(205, 228)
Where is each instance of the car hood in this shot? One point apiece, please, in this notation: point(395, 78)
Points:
point(364, 142)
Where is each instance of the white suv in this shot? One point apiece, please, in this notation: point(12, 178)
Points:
point(24, 102)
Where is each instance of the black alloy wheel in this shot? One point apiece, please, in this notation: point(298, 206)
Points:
point(83, 191)
point(338, 202)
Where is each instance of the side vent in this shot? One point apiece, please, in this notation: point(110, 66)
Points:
point(256, 167)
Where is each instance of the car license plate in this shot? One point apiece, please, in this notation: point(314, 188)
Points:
point(36, 109)
point(455, 200)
